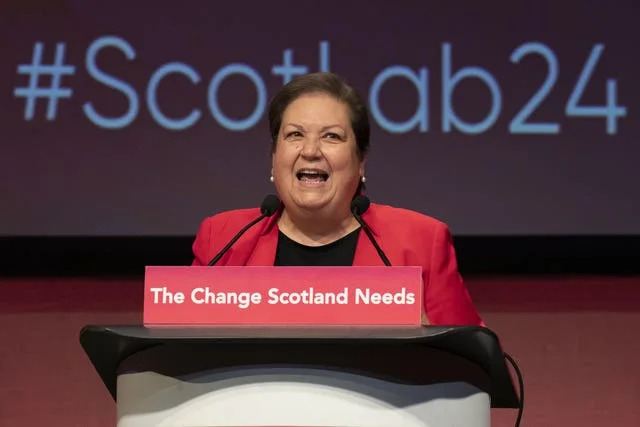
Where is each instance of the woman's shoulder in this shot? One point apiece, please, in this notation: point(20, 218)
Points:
point(234, 216)
point(385, 214)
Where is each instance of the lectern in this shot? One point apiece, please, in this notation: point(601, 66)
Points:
point(294, 376)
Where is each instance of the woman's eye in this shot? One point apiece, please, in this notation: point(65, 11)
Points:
point(293, 134)
point(332, 135)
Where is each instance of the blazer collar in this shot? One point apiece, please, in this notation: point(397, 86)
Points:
point(371, 219)
point(272, 221)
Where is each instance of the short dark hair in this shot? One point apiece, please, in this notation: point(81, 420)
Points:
point(331, 85)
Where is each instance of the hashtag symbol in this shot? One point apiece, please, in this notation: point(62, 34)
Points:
point(53, 92)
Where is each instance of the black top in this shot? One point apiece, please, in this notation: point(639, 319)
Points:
point(338, 253)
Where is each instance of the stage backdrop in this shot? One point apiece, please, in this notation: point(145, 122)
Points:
point(141, 118)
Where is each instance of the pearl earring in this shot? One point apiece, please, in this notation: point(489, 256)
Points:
point(363, 179)
point(271, 178)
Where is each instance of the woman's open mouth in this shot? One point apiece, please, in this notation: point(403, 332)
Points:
point(312, 176)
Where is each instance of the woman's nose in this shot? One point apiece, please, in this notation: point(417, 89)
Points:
point(311, 147)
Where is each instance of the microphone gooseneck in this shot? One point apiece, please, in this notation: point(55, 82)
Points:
point(268, 207)
point(359, 205)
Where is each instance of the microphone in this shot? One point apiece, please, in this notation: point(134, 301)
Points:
point(269, 206)
point(359, 205)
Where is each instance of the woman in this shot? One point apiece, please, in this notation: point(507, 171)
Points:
point(320, 136)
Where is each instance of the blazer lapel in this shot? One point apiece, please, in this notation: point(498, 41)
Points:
point(264, 251)
point(366, 254)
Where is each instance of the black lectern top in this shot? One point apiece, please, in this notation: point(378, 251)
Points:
point(406, 355)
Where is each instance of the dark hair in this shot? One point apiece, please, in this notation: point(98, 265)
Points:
point(331, 85)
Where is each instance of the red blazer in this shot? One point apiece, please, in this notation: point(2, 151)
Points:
point(406, 237)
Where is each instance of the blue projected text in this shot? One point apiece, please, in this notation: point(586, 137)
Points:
point(418, 121)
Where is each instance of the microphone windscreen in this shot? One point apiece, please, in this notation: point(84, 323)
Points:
point(360, 204)
point(270, 205)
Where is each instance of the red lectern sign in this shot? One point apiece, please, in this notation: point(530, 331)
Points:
point(283, 296)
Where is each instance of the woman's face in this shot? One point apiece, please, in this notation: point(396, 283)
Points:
point(315, 163)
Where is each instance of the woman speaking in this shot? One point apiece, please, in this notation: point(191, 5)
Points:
point(320, 136)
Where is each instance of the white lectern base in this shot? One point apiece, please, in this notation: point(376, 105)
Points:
point(294, 397)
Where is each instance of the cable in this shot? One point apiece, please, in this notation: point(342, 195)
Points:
point(520, 384)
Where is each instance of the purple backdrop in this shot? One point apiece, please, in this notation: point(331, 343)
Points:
point(159, 119)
